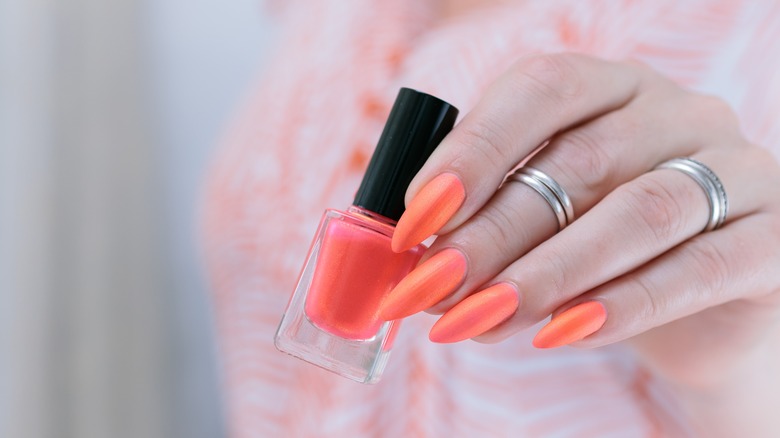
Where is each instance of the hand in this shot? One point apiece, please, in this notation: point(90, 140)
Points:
point(699, 307)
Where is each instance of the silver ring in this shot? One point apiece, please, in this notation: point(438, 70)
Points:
point(551, 191)
point(556, 188)
point(709, 182)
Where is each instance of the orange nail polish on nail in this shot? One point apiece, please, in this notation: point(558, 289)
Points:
point(428, 284)
point(572, 325)
point(476, 314)
point(430, 210)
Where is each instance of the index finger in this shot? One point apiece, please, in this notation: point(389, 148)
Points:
point(538, 97)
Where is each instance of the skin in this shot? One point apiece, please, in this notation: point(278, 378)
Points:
point(702, 310)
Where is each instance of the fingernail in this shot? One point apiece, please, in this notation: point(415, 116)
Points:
point(476, 314)
point(428, 284)
point(572, 325)
point(433, 207)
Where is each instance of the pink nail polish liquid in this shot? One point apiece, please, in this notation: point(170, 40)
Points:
point(332, 318)
point(355, 261)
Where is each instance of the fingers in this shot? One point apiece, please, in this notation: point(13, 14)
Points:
point(709, 270)
point(597, 157)
point(588, 162)
point(628, 218)
point(538, 97)
point(631, 226)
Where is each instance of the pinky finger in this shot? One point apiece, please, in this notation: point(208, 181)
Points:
point(736, 262)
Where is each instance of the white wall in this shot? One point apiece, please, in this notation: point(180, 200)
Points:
point(204, 54)
point(108, 114)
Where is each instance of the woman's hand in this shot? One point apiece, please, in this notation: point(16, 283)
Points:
point(701, 308)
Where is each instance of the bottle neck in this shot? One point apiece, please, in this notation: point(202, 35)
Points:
point(370, 215)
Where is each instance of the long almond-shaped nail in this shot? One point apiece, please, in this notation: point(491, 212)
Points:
point(572, 325)
point(476, 314)
point(429, 210)
point(433, 280)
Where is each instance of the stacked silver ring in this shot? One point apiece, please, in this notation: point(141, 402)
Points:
point(709, 182)
point(551, 191)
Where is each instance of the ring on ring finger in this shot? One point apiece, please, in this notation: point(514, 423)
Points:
point(709, 182)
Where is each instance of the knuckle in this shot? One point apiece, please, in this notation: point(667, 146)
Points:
point(758, 156)
point(581, 155)
point(551, 75)
point(763, 164)
point(641, 68)
point(659, 209)
point(488, 139)
point(710, 265)
point(715, 111)
point(647, 75)
point(718, 108)
point(637, 64)
point(553, 268)
point(495, 226)
point(650, 309)
point(559, 278)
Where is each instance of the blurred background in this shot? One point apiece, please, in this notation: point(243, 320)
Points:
point(109, 113)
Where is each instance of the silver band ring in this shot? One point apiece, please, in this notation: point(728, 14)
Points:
point(550, 190)
point(556, 188)
point(709, 182)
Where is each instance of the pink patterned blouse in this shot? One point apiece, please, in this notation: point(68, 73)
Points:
point(301, 144)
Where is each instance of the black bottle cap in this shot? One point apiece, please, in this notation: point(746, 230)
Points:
point(417, 124)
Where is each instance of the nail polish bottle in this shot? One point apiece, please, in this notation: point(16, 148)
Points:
point(332, 319)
